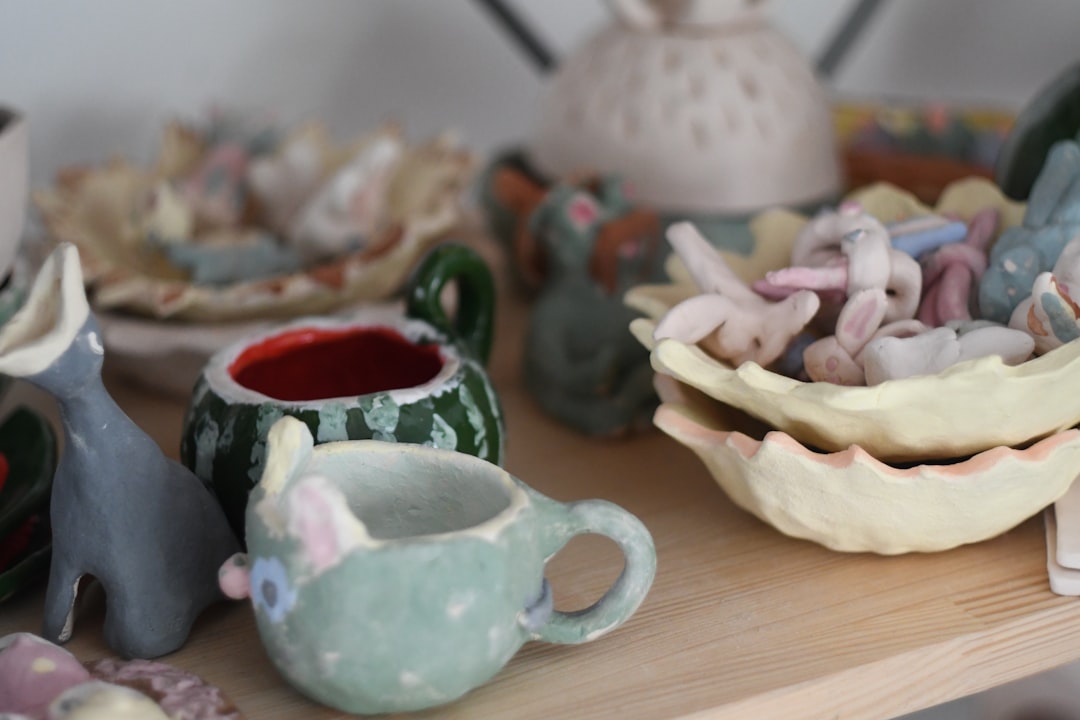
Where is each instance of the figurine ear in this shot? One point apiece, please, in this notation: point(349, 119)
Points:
point(692, 320)
point(319, 516)
point(860, 318)
point(288, 448)
point(705, 265)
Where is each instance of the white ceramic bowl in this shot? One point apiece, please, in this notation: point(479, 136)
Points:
point(968, 408)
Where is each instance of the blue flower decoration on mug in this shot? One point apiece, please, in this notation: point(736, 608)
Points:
point(270, 589)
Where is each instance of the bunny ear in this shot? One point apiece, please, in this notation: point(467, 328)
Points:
point(319, 516)
point(1014, 346)
point(709, 271)
point(693, 319)
point(1056, 187)
point(860, 318)
point(288, 447)
point(800, 308)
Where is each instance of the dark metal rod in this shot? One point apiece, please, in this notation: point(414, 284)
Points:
point(520, 33)
point(844, 38)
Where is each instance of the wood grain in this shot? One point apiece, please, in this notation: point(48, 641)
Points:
point(741, 622)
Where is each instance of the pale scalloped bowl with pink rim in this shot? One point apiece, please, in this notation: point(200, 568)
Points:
point(968, 408)
point(851, 502)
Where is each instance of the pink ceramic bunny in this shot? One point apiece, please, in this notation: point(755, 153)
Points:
point(866, 260)
point(728, 319)
point(951, 272)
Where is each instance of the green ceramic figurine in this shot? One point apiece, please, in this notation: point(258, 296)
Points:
point(581, 246)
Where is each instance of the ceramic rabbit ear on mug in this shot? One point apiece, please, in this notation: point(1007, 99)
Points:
point(420, 571)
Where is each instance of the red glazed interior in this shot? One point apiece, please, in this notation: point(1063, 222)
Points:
point(316, 363)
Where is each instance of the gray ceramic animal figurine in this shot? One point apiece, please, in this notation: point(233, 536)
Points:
point(140, 523)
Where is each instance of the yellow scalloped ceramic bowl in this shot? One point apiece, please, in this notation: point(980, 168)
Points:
point(851, 502)
point(968, 408)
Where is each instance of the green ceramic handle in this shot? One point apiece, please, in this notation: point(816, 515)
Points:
point(623, 598)
point(475, 321)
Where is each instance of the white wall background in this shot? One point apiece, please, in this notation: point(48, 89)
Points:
point(99, 77)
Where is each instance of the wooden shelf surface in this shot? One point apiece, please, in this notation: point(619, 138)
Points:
point(742, 622)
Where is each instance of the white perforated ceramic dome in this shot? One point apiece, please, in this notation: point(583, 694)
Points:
point(701, 104)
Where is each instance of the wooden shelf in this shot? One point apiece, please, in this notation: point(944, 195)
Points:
point(742, 622)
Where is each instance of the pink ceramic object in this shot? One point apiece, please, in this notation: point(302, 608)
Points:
point(728, 319)
point(866, 261)
point(33, 672)
point(950, 273)
point(215, 191)
point(892, 358)
point(182, 695)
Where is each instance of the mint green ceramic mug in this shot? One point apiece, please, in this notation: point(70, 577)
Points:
point(392, 577)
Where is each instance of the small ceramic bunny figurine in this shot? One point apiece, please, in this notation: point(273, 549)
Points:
point(1051, 315)
point(1021, 253)
point(140, 523)
point(930, 352)
point(838, 358)
point(729, 319)
point(866, 260)
point(951, 273)
point(343, 213)
point(281, 182)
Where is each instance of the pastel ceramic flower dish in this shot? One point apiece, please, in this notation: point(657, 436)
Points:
point(220, 230)
point(850, 501)
point(946, 415)
point(389, 577)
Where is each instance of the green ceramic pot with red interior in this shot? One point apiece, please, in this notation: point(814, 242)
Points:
point(378, 373)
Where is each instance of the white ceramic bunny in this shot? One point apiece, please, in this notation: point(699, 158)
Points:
point(728, 319)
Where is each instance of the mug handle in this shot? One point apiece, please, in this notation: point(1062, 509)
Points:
point(475, 321)
point(624, 597)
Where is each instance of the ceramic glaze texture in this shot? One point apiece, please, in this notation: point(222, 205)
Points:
point(455, 408)
point(943, 416)
point(851, 502)
point(13, 185)
point(711, 115)
point(141, 524)
point(103, 211)
point(336, 376)
point(389, 577)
